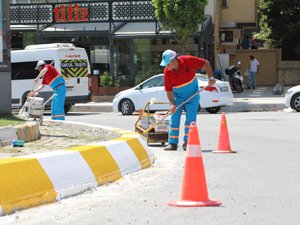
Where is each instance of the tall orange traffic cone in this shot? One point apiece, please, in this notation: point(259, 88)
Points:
point(194, 190)
point(223, 142)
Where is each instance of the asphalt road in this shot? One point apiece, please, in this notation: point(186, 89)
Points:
point(257, 186)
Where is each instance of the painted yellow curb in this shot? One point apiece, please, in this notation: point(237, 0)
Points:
point(43, 178)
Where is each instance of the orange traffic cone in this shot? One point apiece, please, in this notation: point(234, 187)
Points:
point(194, 190)
point(223, 142)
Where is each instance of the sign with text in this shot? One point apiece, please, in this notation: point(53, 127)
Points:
point(68, 13)
point(82, 12)
point(74, 67)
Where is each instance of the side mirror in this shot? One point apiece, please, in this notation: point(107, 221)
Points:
point(140, 87)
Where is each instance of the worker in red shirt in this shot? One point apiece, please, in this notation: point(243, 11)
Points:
point(181, 83)
point(52, 78)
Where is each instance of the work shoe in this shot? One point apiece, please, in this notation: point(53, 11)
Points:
point(184, 146)
point(171, 147)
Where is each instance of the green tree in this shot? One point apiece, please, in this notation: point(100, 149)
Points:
point(180, 15)
point(280, 25)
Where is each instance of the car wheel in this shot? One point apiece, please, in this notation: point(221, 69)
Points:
point(295, 102)
point(126, 107)
point(213, 110)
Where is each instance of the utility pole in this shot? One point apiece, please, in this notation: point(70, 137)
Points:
point(217, 30)
point(5, 64)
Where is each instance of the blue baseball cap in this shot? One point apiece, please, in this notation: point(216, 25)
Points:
point(167, 57)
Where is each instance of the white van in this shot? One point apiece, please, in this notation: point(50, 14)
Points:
point(70, 61)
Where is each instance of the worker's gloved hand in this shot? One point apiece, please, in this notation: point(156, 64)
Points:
point(211, 81)
point(173, 109)
point(30, 94)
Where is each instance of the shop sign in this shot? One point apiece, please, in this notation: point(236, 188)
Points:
point(68, 13)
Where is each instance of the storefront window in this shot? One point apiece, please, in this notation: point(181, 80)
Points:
point(29, 38)
point(100, 58)
point(123, 47)
point(139, 59)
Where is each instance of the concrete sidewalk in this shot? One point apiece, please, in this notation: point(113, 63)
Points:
point(260, 99)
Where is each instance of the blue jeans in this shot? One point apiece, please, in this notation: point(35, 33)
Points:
point(252, 79)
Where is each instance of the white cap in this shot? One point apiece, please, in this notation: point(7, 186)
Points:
point(40, 63)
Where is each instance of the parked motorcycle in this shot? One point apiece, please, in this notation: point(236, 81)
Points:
point(235, 77)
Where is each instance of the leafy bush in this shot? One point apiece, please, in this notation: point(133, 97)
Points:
point(106, 80)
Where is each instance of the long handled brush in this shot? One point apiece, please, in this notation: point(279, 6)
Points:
point(168, 113)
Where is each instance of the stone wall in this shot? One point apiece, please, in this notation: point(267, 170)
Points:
point(289, 72)
point(268, 59)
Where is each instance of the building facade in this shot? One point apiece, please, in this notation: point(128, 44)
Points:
point(120, 37)
point(236, 21)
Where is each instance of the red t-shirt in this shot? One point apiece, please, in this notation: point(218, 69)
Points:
point(50, 75)
point(186, 71)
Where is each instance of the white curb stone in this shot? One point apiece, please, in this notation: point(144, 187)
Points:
point(7, 134)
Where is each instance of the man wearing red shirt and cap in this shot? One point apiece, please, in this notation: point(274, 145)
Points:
point(181, 83)
point(52, 78)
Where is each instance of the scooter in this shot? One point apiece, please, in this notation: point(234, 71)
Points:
point(235, 77)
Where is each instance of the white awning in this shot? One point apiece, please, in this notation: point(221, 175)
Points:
point(139, 28)
point(23, 27)
point(78, 27)
point(129, 29)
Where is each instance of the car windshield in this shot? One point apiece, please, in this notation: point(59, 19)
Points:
point(154, 82)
